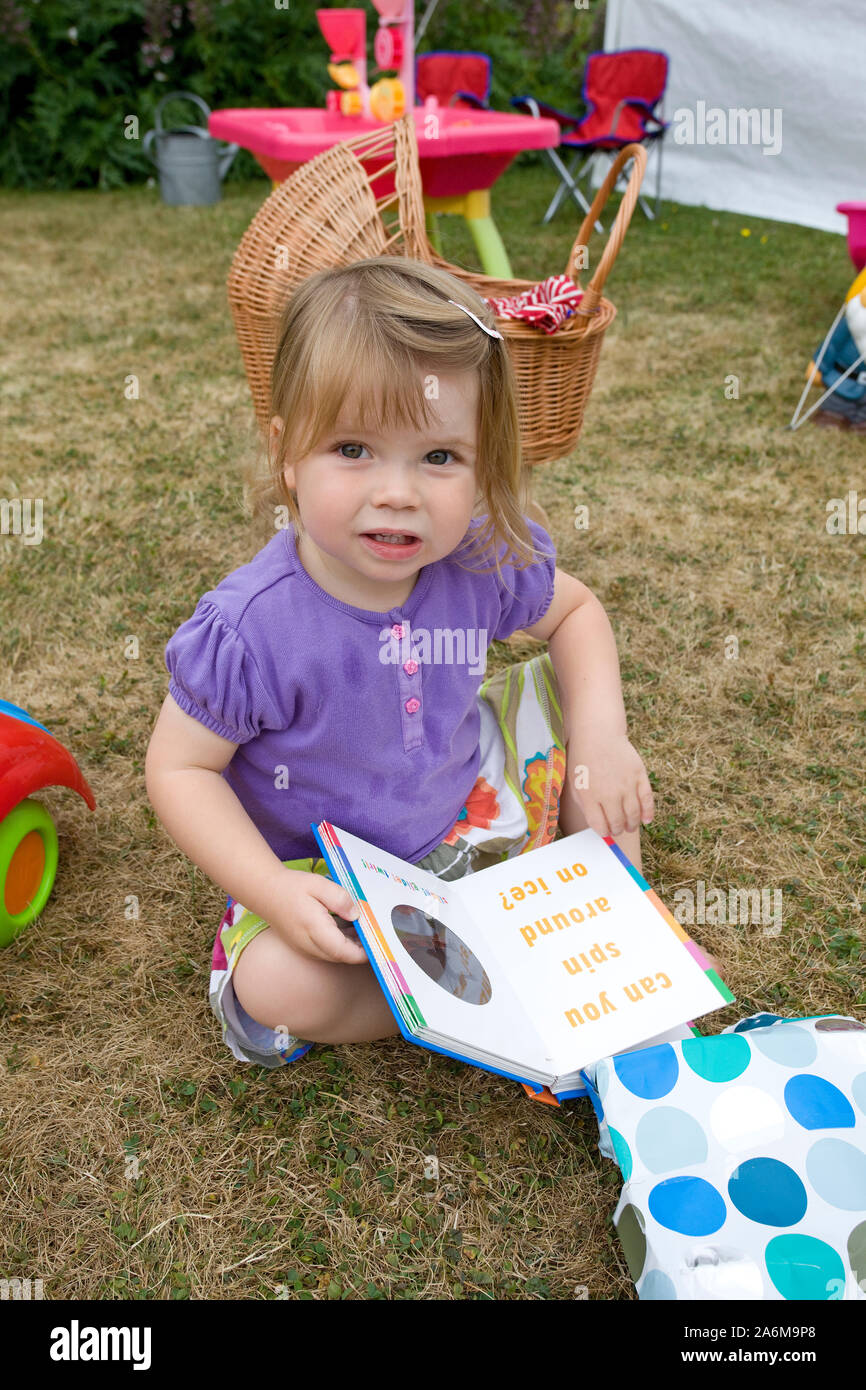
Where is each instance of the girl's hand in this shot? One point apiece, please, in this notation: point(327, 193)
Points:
point(302, 916)
point(617, 795)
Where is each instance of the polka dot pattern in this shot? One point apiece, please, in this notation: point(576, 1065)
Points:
point(857, 1252)
point(818, 1104)
point(743, 1157)
point(746, 1025)
point(837, 1171)
point(768, 1191)
point(786, 1043)
point(631, 1229)
point(622, 1153)
point(743, 1116)
point(691, 1206)
point(657, 1286)
point(802, 1266)
point(667, 1138)
point(651, 1072)
point(718, 1059)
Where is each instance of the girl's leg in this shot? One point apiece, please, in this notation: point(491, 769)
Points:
point(322, 1001)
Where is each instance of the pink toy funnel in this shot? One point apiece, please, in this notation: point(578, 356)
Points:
point(856, 214)
point(345, 33)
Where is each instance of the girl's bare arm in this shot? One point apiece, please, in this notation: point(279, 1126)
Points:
point(206, 820)
point(615, 794)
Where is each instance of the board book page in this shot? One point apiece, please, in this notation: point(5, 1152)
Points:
point(432, 960)
point(601, 964)
point(537, 966)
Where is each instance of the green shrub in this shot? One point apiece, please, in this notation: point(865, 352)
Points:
point(73, 73)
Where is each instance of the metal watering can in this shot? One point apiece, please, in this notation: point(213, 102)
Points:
point(190, 163)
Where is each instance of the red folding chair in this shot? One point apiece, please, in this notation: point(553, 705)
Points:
point(456, 79)
point(621, 91)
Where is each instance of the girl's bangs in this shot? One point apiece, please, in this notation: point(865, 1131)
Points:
point(365, 381)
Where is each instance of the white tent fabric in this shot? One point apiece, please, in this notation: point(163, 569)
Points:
point(766, 99)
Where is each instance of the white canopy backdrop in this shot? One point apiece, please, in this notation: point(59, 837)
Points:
point(766, 99)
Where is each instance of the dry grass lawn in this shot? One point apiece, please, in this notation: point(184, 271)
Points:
point(139, 1159)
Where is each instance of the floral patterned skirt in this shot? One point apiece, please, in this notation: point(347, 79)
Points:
point(513, 807)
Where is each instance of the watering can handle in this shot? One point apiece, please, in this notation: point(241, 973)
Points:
point(176, 96)
point(226, 158)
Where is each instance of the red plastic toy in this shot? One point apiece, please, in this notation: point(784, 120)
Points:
point(30, 759)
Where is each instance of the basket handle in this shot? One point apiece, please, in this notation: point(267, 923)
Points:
point(589, 304)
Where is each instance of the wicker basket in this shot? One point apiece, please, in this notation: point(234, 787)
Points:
point(554, 372)
point(328, 213)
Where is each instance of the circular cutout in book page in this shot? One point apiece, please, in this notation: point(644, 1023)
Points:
point(440, 953)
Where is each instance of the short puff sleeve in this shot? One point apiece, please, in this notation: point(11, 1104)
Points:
point(215, 679)
point(526, 594)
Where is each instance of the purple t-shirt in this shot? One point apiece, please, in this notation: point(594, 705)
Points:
point(369, 720)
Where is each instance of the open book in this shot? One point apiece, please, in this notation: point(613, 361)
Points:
point(533, 968)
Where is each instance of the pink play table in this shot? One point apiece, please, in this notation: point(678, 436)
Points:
point(462, 154)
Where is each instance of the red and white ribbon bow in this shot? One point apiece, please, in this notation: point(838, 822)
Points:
point(546, 305)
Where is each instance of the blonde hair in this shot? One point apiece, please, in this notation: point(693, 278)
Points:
point(371, 330)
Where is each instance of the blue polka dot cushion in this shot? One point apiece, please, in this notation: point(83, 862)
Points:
point(744, 1160)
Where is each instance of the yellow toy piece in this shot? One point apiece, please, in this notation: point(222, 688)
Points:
point(388, 99)
point(855, 311)
point(858, 287)
point(351, 104)
point(344, 74)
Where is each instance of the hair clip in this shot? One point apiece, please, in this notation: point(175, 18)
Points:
point(491, 332)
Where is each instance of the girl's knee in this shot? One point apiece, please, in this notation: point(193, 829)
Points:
point(280, 988)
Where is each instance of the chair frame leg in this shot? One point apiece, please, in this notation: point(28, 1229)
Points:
point(568, 185)
point(660, 143)
point(561, 188)
point(652, 215)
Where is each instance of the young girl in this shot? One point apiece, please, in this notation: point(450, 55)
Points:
point(340, 674)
